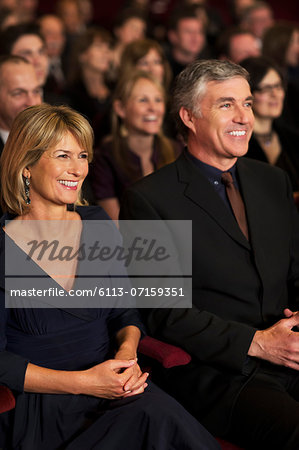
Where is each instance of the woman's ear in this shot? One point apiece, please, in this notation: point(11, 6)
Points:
point(119, 109)
point(26, 173)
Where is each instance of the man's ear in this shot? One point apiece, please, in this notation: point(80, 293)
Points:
point(118, 108)
point(187, 118)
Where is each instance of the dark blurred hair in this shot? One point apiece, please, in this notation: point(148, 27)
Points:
point(82, 43)
point(276, 41)
point(180, 13)
point(12, 34)
point(126, 14)
point(258, 67)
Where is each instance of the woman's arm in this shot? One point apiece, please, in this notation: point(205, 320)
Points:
point(111, 379)
point(102, 380)
point(111, 206)
point(128, 339)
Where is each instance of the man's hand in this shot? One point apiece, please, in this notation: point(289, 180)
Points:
point(278, 344)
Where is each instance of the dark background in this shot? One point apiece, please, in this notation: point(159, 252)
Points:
point(105, 10)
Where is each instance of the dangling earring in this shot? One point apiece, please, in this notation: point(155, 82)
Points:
point(27, 184)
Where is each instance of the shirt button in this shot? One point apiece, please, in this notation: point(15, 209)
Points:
point(216, 182)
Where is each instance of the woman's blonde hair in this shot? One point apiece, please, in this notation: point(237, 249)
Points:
point(35, 130)
point(122, 93)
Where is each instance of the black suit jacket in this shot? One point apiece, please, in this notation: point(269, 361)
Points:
point(238, 287)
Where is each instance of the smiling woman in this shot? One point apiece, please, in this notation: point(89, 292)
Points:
point(87, 357)
point(271, 142)
point(137, 145)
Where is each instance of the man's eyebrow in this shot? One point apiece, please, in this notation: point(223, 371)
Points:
point(15, 90)
point(231, 99)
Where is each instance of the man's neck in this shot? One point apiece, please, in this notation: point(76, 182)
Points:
point(223, 164)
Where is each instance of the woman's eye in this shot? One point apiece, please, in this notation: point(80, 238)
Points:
point(84, 156)
point(63, 156)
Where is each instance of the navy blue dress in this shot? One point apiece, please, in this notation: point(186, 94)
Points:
point(76, 339)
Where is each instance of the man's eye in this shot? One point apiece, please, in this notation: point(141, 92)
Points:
point(225, 105)
point(248, 104)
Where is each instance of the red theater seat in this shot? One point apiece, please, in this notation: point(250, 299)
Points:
point(170, 356)
point(7, 400)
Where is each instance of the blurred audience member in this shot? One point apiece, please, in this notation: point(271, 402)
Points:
point(25, 40)
point(270, 142)
point(214, 21)
point(26, 10)
point(19, 89)
point(86, 11)
point(236, 44)
point(70, 14)
point(137, 145)
point(129, 25)
point(187, 39)
point(281, 43)
point(7, 18)
point(52, 30)
point(237, 7)
point(257, 18)
point(88, 91)
point(146, 55)
point(8, 4)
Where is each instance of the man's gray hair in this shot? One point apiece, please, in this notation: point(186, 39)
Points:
point(190, 85)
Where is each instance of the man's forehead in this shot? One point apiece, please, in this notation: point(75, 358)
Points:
point(188, 23)
point(236, 87)
point(13, 74)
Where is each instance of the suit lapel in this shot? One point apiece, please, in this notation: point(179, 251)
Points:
point(259, 223)
point(200, 191)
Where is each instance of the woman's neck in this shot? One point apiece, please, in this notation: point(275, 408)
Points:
point(262, 126)
point(54, 212)
point(141, 145)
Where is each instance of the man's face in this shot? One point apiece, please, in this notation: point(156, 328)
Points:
point(52, 30)
point(32, 48)
point(19, 89)
point(260, 20)
point(223, 131)
point(243, 46)
point(189, 37)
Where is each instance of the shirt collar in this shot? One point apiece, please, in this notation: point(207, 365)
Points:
point(210, 172)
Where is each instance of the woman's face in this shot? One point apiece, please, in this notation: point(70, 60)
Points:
point(268, 99)
point(32, 48)
point(131, 30)
point(97, 56)
point(57, 177)
point(152, 62)
point(143, 112)
point(292, 56)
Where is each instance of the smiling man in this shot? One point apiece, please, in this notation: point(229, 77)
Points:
point(243, 380)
